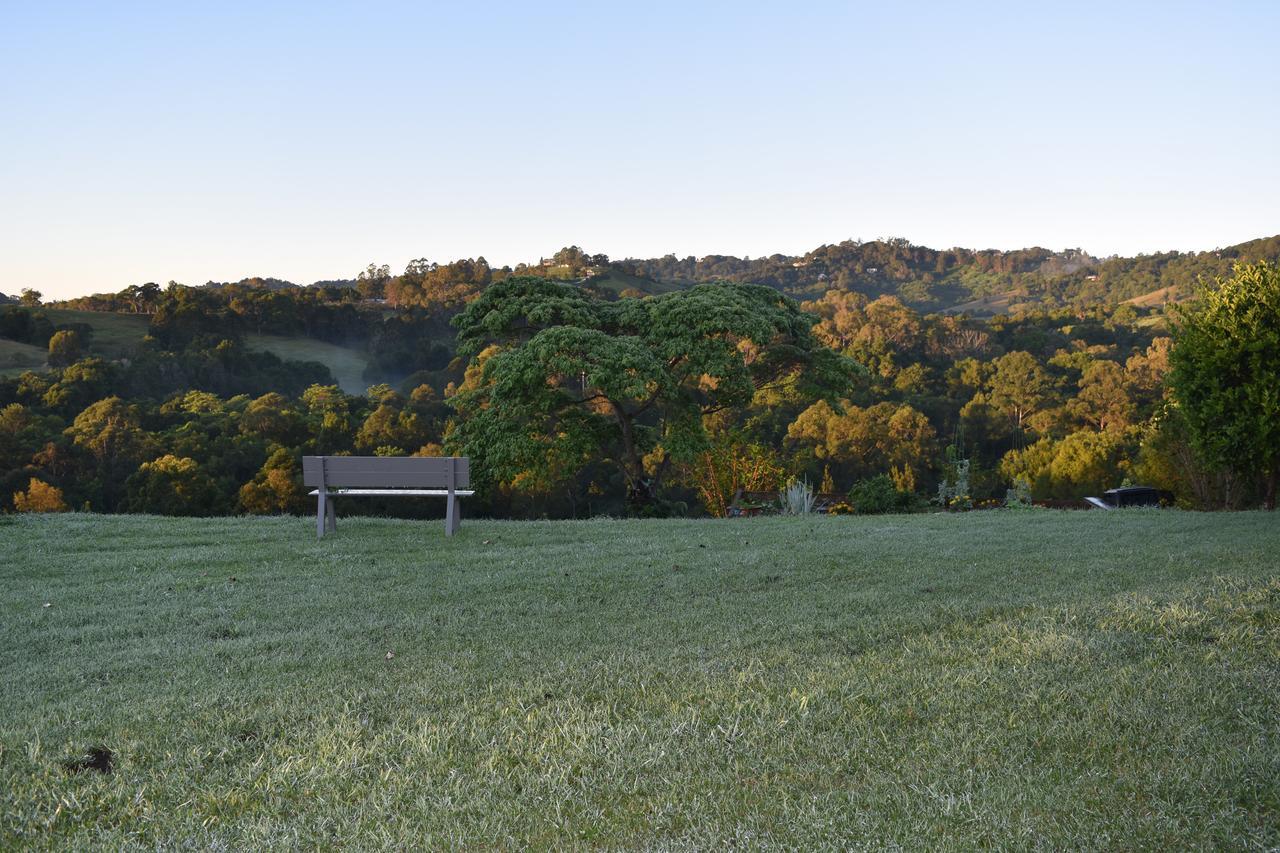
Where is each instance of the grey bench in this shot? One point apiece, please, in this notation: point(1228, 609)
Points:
point(406, 476)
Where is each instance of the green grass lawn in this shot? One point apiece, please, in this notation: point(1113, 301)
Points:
point(346, 364)
point(1041, 679)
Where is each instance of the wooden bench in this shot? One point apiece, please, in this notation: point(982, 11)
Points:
point(407, 476)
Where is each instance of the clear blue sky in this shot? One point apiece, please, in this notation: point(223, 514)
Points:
point(219, 140)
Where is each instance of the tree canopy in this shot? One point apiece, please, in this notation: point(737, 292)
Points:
point(1226, 373)
point(590, 383)
point(633, 379)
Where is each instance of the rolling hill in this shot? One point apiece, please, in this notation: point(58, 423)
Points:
point(347, 364)
point(18, 357)
point(114, 335)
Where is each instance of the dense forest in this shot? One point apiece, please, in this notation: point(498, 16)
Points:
point(948, 378)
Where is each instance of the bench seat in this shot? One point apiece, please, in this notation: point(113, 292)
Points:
point(462, 493)
point(331, 477)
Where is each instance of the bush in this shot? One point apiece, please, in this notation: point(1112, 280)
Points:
point(66, 347)
point(953, 491)
point(1019, 497)
point(39, 497)
point(878, 495)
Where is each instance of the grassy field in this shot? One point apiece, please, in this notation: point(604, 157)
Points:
point(1041, 679)
point(347, 365)
point(616, 282)
point(117, 335)
point(114, 335)
point(17, 357)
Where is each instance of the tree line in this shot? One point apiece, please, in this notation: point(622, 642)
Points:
point(927, 279)
point(574, 400)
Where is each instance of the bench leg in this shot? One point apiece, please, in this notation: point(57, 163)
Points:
point(452, 517)
point(321, 513)
point(331, 518)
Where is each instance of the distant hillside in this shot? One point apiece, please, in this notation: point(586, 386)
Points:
point(255, 281)
point(115, 336)
point(279, 283)
point(978, 282)
point(16, 358)
point(981, 282)
point(963, 279)
point(618, 283)
point(348, 365)
point(112, 335)
point(1163, 296)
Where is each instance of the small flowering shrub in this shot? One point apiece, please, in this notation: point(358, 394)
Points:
point(1018, 497)
point(953, 491)
point(879, 495)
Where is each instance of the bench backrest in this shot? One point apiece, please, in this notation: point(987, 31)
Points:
point(409, 472)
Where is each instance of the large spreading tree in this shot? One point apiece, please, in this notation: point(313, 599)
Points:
point(1226, 374)
point(568, 378)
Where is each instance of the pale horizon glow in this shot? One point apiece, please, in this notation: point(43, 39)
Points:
point(157, 142)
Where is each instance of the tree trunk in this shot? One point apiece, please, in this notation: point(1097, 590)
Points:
point(640, 489)
point(1273, 480)
point(640, 493)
